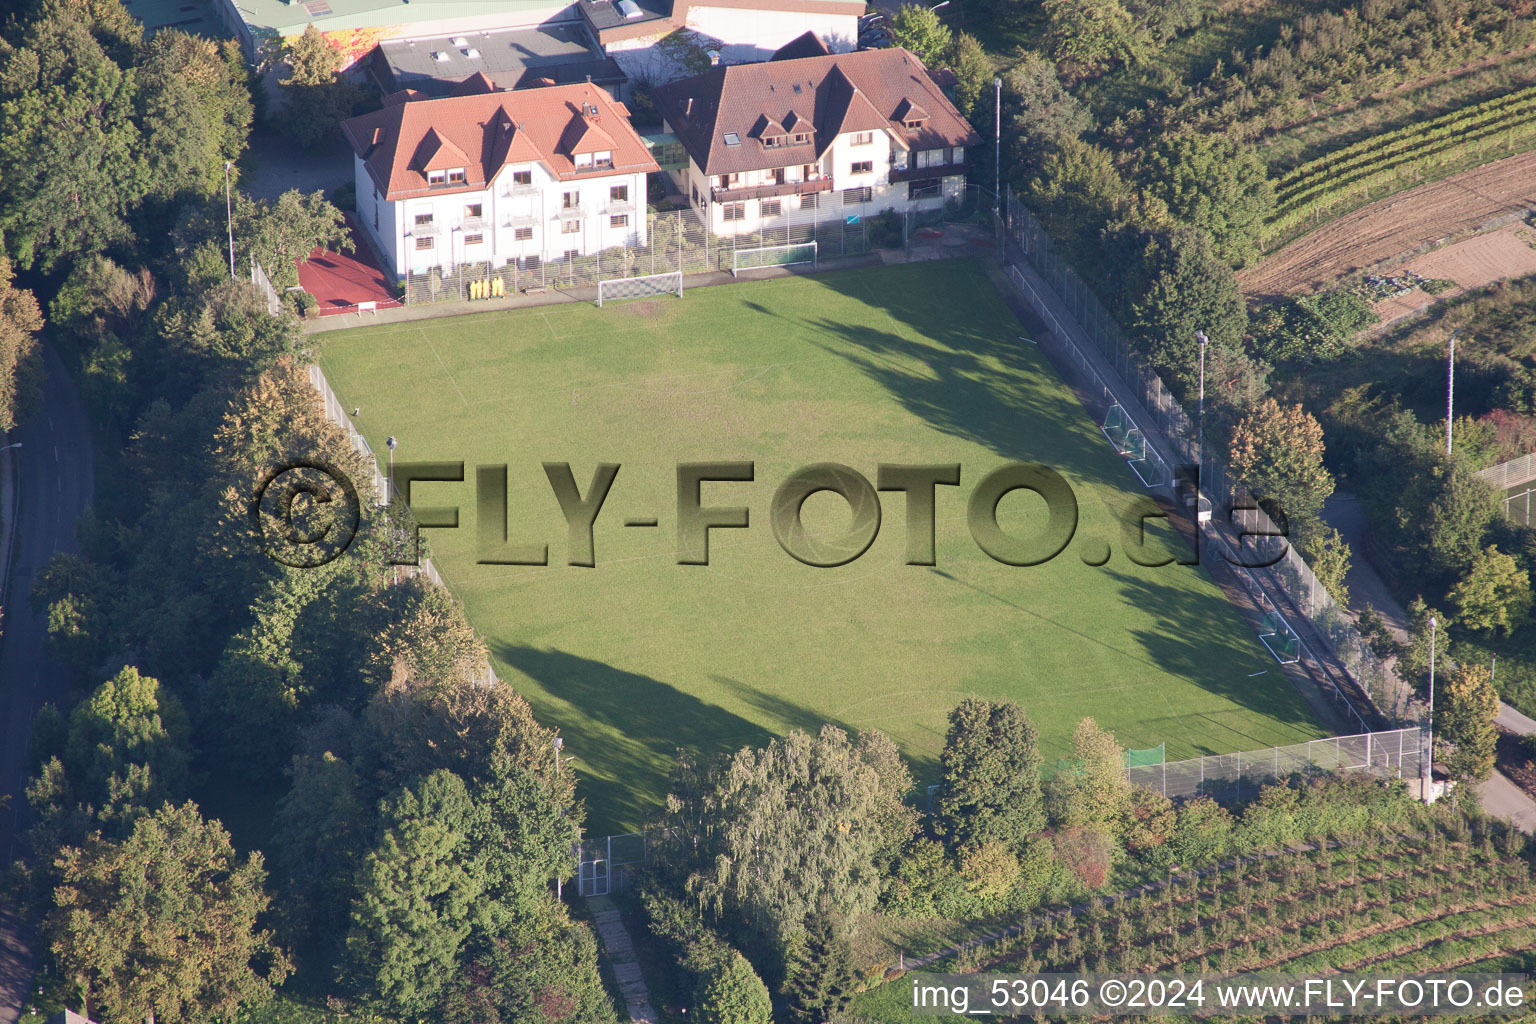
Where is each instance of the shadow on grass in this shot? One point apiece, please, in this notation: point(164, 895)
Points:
point(1193, 644)
point(967, 373)
point(627, 731)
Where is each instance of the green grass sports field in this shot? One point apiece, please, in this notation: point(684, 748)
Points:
point(912, 364)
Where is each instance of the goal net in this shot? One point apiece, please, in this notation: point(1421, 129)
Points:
point(1132, 443)
point(1282, 641)
point(1122, 433)
point(615, 289)
point(773, 256)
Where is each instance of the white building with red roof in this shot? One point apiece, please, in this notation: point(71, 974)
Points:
point(827, 137)
point(499, 177)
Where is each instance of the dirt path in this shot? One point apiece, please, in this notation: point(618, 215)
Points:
point(1395, 225)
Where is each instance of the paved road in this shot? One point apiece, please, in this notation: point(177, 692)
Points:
point(56, 478)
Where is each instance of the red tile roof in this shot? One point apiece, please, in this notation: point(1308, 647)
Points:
point(483, 132)
point(870, 90)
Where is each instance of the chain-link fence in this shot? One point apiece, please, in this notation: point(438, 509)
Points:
point(1395, 753)
point(678, 240)
point(1118, 376)
point(1512, 473)
point(263, 285)
point(604, 864)
point(1517, 507)
point(337, 414)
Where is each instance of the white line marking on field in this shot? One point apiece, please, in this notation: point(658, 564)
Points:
point(1261, 673)
point(1032, 341)
point(443, 365)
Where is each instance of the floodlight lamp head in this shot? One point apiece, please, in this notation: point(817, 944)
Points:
point(1201, 338)
point(559, 742)
point(391, 442)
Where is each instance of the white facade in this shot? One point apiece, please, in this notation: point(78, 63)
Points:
point(526, 215)
point(852, 178)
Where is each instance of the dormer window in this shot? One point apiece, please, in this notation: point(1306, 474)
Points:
point(602, 158)
point(801, 138)
point(437, 177)
point(772, 141)
point(583, 160)
point(914, 124)
point(455, 175)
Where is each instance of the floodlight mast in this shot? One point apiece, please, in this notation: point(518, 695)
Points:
point(1200, 434)
point(1429, 721)
point(1450, 390)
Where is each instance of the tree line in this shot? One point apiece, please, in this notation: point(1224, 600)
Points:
point(770, 861)
point(421, 825)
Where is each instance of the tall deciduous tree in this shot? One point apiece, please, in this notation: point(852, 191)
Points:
point(1495, 593)
point(315, 99)
point(919, 29)
point(129, 720)
point(195, 111)
point(1212, 183)
point(162, 925)
point(71, 155)
point(1179, 286)
point(21, 364)
point(968, 59)
point(1090, 788)
point(1467, 707)
point(1277, 452)
point(1091, 35)
point(419, 894)
point(1444, 513)
point(283, 232)
point(805, 824)
point(991, 776)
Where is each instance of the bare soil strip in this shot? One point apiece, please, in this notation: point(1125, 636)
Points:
point(1396, 225)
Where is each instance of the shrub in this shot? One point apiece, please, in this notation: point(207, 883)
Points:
point(1087, 851)
point(1203, 832)
point(922, 879)
point(730, 992)
point(1342, 312)
point(989, 870)
point(885, 230)
point(1149, 819)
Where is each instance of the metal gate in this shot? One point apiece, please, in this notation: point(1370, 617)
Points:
point(593, 878)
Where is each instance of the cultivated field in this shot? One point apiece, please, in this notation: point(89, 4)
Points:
point(1395, 225)
point(1473, 262)
point(911, 364)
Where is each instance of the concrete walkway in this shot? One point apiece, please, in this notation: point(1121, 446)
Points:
point(1344, 512)
point(621, 954)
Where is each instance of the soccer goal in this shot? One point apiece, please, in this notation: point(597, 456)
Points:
point(1121, 431)
point(615, 289)
point(773, 256)
point(1148, 466)
point(1281, 640)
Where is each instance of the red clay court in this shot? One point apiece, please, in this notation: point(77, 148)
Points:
point(340, 282)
